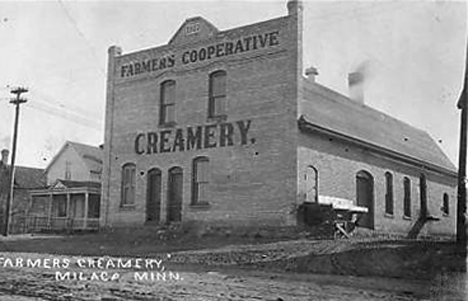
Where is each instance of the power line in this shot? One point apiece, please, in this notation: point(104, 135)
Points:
point(81, 34)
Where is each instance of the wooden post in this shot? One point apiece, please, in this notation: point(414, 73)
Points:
point(49, 217)
point(69, 217)
point(461, 202)
point(85, 222)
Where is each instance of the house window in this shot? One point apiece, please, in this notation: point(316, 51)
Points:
point(128, 184)
point(200, 180)
point(67, 170)
point(59, 207)
point(445, 204)
point(95, 175)
point(167, 107)
point(217, 105)
point(407, 197)
point(389, 193)
point(94, 205)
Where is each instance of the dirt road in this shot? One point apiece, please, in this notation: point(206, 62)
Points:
point(177, 282)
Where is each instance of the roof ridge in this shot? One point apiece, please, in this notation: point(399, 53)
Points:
point(333, 110)
point(349, 102)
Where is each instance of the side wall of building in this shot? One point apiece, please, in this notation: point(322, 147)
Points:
point(338, 163)
point(77, 168)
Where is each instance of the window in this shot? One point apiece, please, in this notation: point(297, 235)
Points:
point(311, 184)
point(407, 197)
point(217, 105)
point(389, 193)
point(62, 208)
point(167, 107)
point(200, 180)
point(67, 170)
point(94, 205)
point(445, 204)
point(128, 184)
point(59, 205)
point(423, 196)
point(94, 175)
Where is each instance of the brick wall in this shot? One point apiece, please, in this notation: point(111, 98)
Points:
point(249, 183)
point(338, 162)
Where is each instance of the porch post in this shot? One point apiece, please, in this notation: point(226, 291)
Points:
point(85, 222)
point(68, 222)
point(49, 217)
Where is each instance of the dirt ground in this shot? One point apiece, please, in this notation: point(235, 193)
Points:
point(81, 268)
point(194, 283)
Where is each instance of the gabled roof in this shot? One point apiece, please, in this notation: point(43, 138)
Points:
point(75, 184)
point(204, 30)
point(29, 178)
point(92, 156)
point(328, 110)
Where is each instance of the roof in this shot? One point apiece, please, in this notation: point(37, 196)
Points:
point(79, 184)
point(329, 110)
point(92, 156)
point(29, 178)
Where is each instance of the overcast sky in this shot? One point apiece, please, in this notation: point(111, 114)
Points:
point(414, 53)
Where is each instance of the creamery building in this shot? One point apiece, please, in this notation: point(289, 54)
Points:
point(225, 127)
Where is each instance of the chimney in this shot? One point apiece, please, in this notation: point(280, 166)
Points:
point(311, 73)
point(5, 154)
point(356, 87)
point(294, 7)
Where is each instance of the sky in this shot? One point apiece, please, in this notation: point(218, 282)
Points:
point(413, 54)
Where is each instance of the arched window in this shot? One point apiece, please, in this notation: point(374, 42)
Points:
point(388, 193)
point(365, 197)
point(167, 104)
point(128, 184)
point(311, 184)
point(423, 195)
point(217, 105)
point(407, 197)
point(445, 204)
point(200, 180)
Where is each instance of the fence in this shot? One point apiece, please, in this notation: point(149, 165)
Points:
point(28, 224)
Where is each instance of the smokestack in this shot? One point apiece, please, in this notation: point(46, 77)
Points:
point(5, 154)
point(356, 86)
point(311, 73)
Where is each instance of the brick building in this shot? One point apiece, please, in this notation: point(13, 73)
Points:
point(224, 127)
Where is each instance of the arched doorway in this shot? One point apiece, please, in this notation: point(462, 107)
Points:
point(175, 195)
point(311, 185)
point(365, 198)
point(153, 195)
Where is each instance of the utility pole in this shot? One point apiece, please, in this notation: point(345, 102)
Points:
point(16, 101)
point(461, 193)
point(461, 201)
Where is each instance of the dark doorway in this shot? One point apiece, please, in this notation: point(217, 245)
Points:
point(174, 195)
point(423, 196)
point(365, 198)
point(153, 195)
